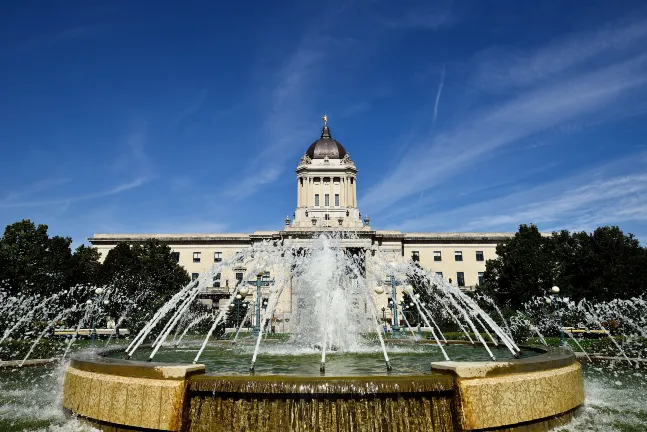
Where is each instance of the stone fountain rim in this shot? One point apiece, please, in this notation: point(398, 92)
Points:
point(549, 358)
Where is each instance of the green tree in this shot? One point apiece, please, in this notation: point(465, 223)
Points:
point(525, 268)
point(23, 248)
point(84, 266)
point(141, 278)
point(600, 266)
point(33, 263)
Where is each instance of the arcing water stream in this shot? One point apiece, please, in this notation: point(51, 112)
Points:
point(335, 292)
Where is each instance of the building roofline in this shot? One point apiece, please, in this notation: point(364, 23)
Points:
point(202, 238)
point(169, 238)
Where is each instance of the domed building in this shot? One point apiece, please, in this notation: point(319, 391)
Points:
point(326, 186)
point(326, 200)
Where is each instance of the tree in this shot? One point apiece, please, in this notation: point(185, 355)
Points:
point(33, 263)
point(23, 248)
point(84, 266)
point(525, 268)
point(141, 278)
point(599, 266)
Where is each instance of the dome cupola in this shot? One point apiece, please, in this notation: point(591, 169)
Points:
point(326, 146)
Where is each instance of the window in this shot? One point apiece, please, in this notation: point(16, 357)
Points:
point(458, 255)
point(460, 278)
point(437, 256)
point(480, 276)
point(316, 200)
point(216, 280)
point(239, 278)
point(196, 256)
point(440, 274)
point(327, 200)
point(194, 276)
point(336, 200)
point(217, 256)
point(415, 255)
point(175, 256)
point(479, 256)
point(266, 276)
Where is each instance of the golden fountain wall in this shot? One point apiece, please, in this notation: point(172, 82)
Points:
point(542, 391)
point(531, 394)
point(143, 396)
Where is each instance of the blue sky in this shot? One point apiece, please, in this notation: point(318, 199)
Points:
point(192, 116)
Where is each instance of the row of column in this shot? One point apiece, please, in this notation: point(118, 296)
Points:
point(306, 191)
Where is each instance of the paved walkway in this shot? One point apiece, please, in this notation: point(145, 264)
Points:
point(16, 363)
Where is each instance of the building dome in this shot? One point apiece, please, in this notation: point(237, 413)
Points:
point(326, 147)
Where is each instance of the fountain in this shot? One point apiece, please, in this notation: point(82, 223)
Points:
point(336, 368)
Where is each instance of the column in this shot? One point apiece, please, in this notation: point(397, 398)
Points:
point(320, 191)
point(346, 203)
point(307, 191)
point(311, 191)
point(354, 192)
point(298, 192)
point(341, 192)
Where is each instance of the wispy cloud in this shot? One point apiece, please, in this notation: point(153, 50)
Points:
point(133, 157)
point(608, 194)
point(191, 109)
point(591, 91)
point(438, 93)
point(498, 68)
point(354, 109)
point(35, 188)
point(131, 161)
point(290, 117)
point(286, 123)
point(617, 198)
point(73, 199)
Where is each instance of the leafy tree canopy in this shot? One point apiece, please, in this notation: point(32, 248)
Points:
point(33, 263)
point(598, 266)
point(141, 278)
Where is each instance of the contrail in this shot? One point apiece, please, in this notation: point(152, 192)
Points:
point(440, 90)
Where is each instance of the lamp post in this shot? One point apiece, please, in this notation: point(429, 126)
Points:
point(265, 302)
point(395, 328)
point(257, 325)
point(418, 309)
point(555, 290)
point(259, 283)
point(238, 298)
point(98, 292)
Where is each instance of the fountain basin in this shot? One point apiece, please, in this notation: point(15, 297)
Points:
point(542, 391)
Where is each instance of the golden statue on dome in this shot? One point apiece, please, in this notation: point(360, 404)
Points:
point(325, 119)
